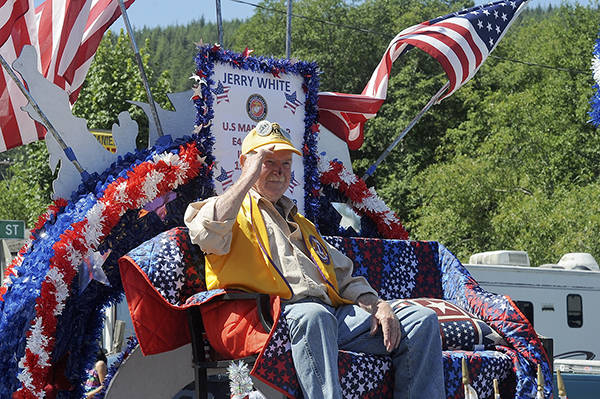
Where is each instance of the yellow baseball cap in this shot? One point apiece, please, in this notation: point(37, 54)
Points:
point(266, 133)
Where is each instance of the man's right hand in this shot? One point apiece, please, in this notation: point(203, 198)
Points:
point(252, 164)
point(228, 203)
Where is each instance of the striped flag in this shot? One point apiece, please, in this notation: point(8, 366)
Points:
point(460, 42)
point(10, 11)
point(66, 34)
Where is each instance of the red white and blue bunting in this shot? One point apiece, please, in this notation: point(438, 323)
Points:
point(595, 100)
point(46, 346)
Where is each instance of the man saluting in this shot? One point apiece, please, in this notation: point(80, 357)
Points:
point(255, 240)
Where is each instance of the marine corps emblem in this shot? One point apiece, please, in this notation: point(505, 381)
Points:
point(256, 107)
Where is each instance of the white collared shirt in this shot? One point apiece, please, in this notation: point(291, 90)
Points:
point(287, 248)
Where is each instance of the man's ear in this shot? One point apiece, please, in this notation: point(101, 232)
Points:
point(242, 159)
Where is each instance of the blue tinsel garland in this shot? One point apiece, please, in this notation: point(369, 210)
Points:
point(80, 324)
point(595, 100)
point(76, 335)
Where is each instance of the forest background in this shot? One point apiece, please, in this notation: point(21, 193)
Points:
point(510, 161)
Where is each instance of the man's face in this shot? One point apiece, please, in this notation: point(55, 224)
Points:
point(275, 175)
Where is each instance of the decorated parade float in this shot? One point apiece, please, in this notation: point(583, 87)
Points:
point(115, 230)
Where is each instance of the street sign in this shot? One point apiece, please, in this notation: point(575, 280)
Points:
point(12, 229)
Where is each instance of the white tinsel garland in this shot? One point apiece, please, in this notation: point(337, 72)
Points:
point(596, 68)
point(240, 383)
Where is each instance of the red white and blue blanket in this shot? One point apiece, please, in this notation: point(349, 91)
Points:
point(164, 276)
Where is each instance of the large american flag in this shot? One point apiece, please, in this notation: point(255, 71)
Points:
point(66, 34)
point(10, 11)
point(460, 42)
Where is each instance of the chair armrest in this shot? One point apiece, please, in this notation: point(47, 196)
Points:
point(263, 306)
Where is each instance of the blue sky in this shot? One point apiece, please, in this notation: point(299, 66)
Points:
point(154, 13)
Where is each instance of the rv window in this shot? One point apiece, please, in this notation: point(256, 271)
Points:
point(574, 310)
point(527, 308)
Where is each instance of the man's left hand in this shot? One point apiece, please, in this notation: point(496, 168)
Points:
point(390, 325)
point(382, 315)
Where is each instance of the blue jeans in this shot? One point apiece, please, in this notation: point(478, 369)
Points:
point(318, 330)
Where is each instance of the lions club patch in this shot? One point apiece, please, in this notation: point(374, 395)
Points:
point(319, 249)
point(256, 107)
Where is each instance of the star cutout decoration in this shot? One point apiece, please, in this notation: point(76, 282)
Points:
point(91, 269)
point(197, 92)
point(349, 216)
point(247, 53)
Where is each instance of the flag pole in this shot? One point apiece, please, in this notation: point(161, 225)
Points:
point(412, 123)
point(219, 21)
point(288, 31)
point(138, 59)
point(66, 149)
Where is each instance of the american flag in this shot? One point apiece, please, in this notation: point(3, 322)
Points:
point(460, 42)
point(291, 102)
point(225, 178)
point(221, 92)
point(293, 183)
point(10, 11)
point(66, 34)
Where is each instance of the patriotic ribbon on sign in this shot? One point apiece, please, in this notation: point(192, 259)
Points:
point(221, 92)
point(66, 35)
point(225, 178)
point(460, 42)
point(293, 183)
point(291, 102)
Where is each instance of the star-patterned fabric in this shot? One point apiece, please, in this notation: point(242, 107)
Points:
point(459, 329)
point(173, 268)
point(483, 366)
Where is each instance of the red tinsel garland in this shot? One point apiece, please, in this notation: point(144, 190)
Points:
point(364, 200)
point(143, 184)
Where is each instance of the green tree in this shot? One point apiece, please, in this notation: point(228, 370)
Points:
point(173, 47)
point(25, 190)
point(113, 79)
point(505, 176)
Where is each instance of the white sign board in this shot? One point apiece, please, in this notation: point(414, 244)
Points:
point(241, 99)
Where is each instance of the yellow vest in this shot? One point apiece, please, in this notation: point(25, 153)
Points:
point(249, 266)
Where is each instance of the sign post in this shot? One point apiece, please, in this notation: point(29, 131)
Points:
point(12, 229)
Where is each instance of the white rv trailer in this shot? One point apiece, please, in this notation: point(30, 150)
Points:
point(562, 301)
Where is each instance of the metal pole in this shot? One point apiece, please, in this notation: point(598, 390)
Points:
point(219, 22)
point(67, 150)
point(138, 58)
point(412, 123)
point(288, 34)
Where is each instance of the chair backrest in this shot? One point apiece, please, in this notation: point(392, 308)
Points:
point(172, 264)
point(395, 268)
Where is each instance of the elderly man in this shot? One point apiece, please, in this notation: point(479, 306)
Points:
point(256, 240)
